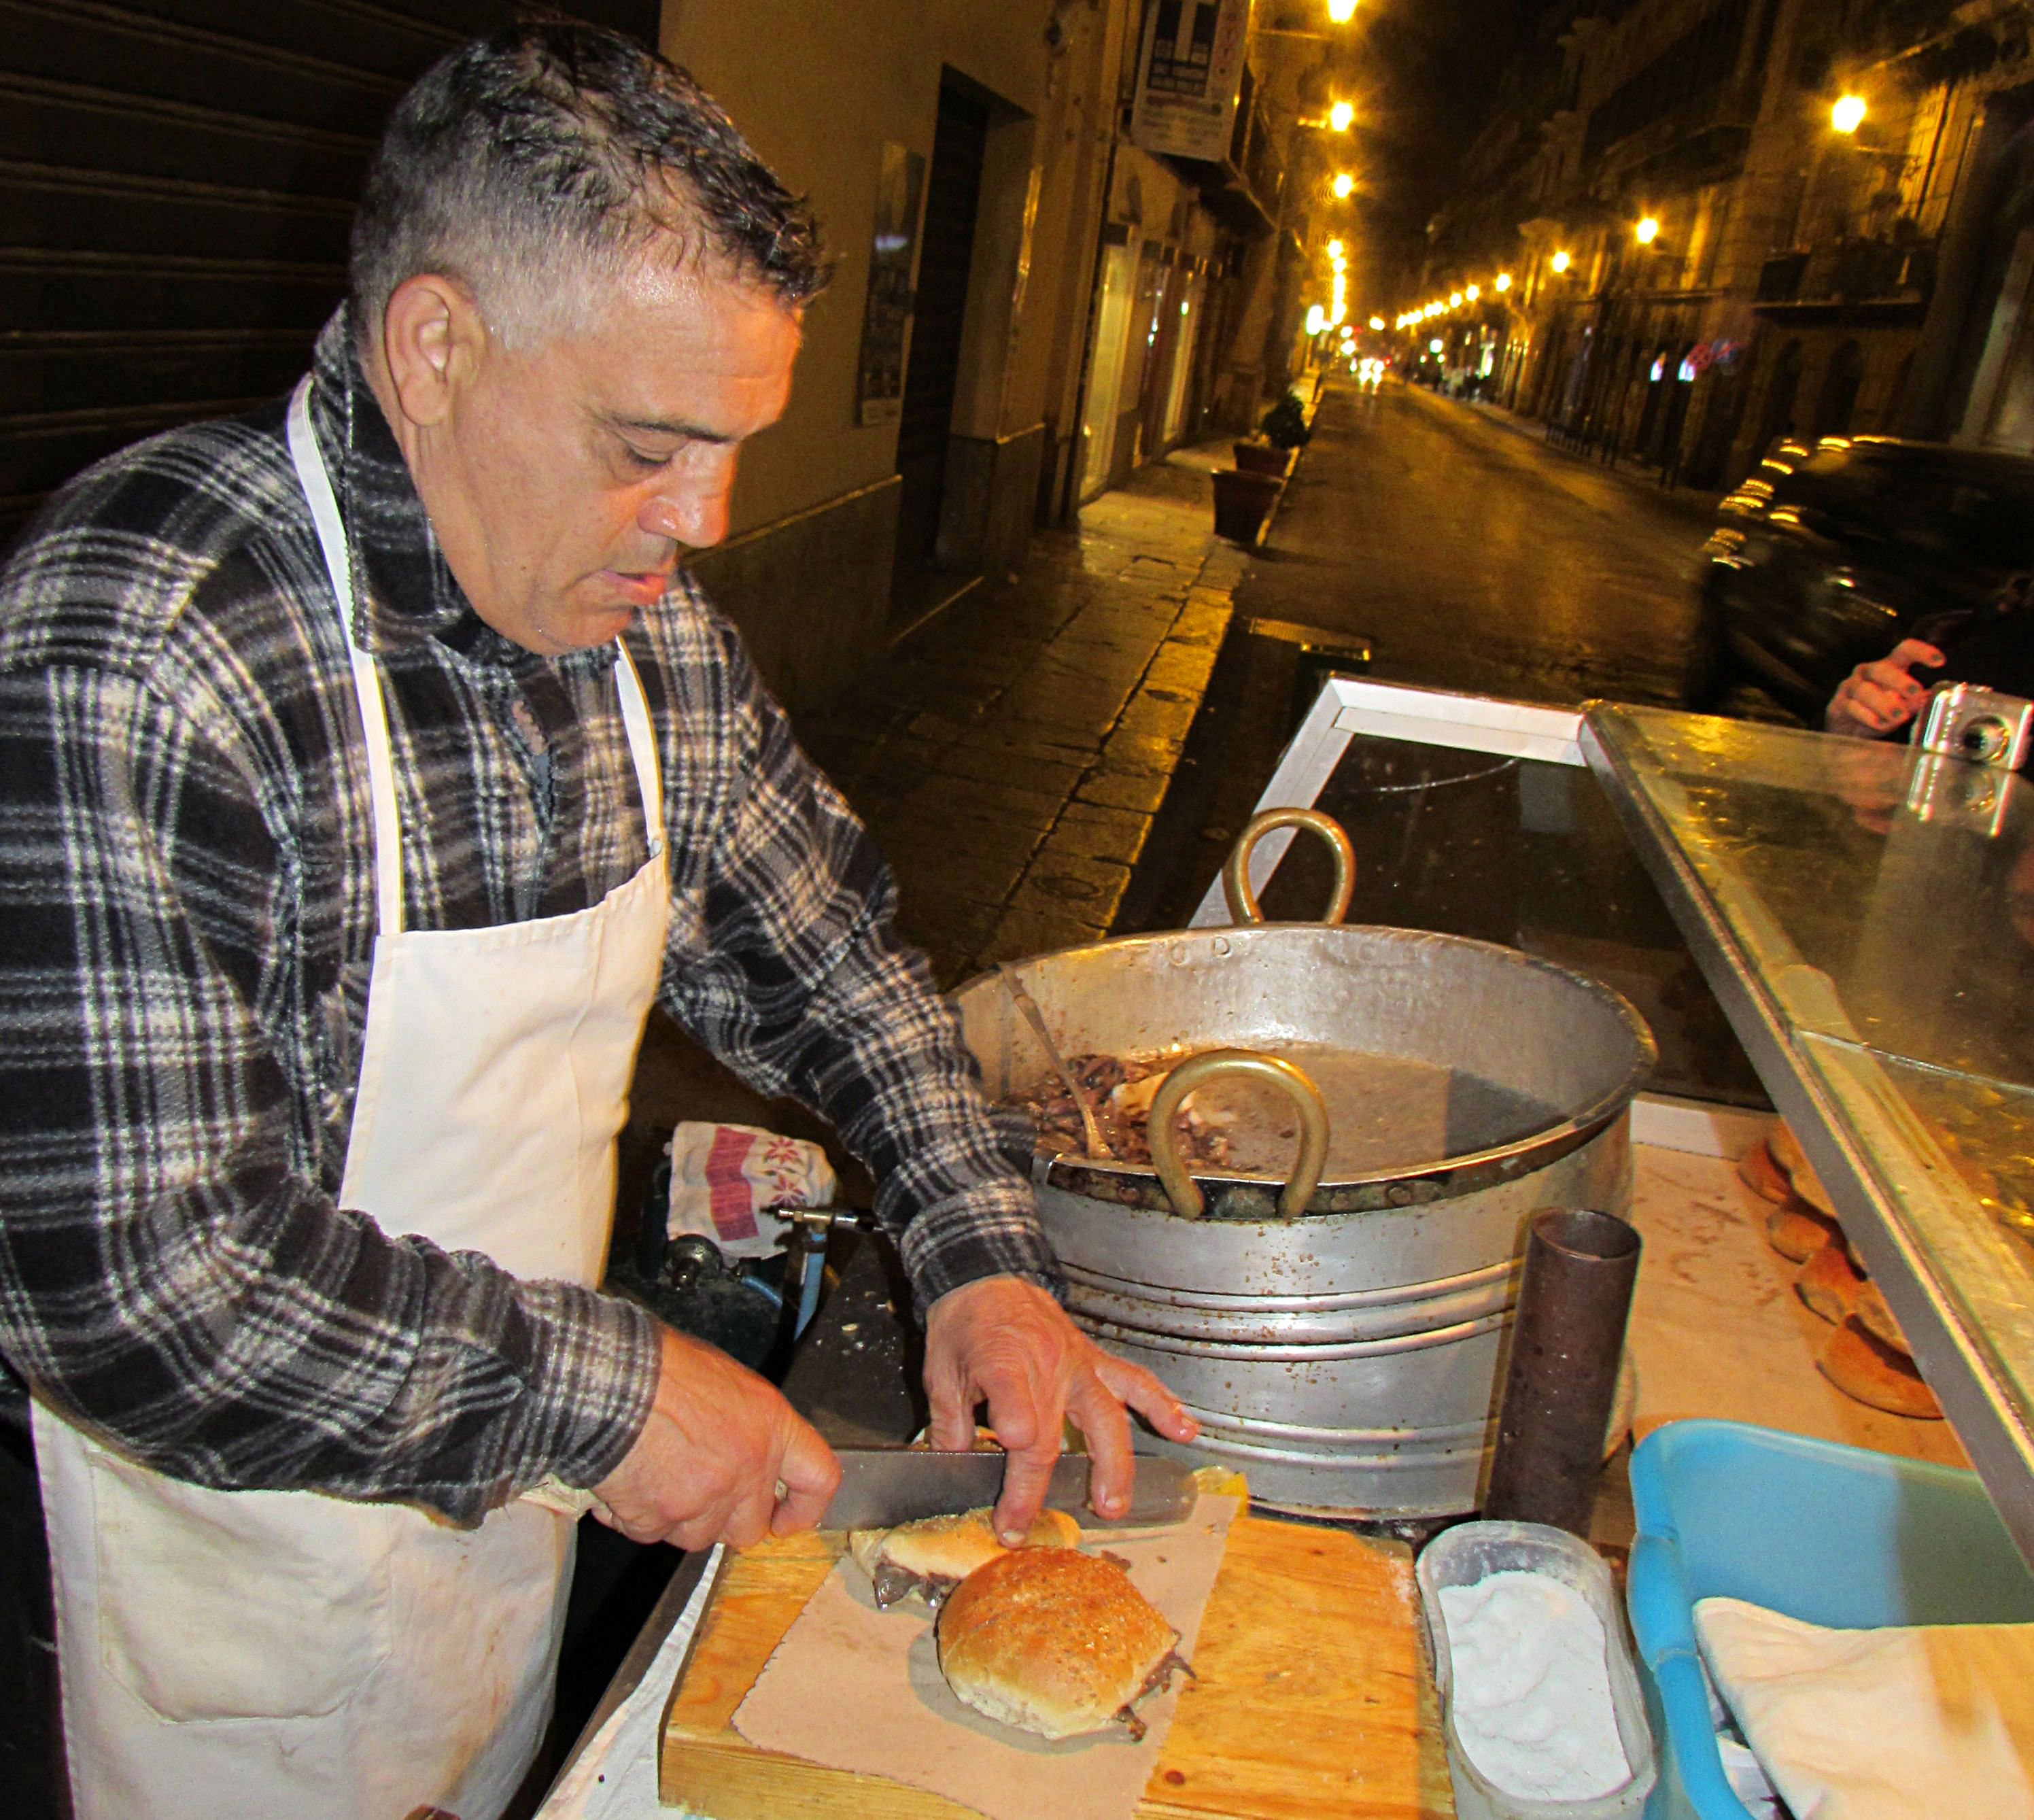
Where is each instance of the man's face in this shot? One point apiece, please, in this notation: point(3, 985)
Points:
point(567, 478)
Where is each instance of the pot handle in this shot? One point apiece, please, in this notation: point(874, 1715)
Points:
point(1180, 1188)
point(1242, 904)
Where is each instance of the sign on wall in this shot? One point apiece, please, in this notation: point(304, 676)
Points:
point(886, 317)
point(1189, 76)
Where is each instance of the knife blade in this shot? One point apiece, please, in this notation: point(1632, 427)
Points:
point(882, 1487)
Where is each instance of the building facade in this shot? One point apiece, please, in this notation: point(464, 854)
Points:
point(1729, 220)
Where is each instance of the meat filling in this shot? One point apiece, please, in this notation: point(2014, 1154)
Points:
point(1171, 1663)
point(892, 1583)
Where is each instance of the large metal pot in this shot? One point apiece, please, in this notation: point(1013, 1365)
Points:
point(1347, 1358)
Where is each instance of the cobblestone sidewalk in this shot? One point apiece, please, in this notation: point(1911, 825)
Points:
point(1010, 758)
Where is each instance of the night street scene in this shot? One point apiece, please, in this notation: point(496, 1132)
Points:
point(1049, 908)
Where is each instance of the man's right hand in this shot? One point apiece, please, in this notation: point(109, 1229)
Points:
point(722, 1458)
point(1879, 698)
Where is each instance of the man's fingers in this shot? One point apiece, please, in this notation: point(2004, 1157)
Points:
point(810, 1475)
point(1026, 1477)
point(1148, 1397)
point(1105, 1427)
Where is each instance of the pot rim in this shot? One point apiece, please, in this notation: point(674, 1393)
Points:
point(1241, 1195)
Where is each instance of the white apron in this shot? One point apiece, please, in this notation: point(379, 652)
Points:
point(288, 1654)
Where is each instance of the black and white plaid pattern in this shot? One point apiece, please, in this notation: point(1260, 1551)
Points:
point(186, 874)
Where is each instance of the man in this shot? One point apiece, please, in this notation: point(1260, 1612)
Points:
point(370, 767)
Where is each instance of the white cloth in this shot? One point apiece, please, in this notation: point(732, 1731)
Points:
point(1898, 1724)
point(288, 1653)
point(726, 1178)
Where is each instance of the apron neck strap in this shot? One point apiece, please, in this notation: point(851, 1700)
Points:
point(308, 460)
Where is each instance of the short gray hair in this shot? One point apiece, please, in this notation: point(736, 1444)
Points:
point(536, 163)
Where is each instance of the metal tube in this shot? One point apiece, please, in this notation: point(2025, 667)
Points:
point(1567, 1340)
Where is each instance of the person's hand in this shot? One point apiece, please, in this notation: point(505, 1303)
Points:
point(722, 1458)
point(1879, 698)
point(1008, 1341)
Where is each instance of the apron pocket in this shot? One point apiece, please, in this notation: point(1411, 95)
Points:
point(238, 1604)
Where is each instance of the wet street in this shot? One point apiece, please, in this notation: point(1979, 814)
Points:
point(1473, 556)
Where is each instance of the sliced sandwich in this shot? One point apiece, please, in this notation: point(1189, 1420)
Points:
point(931, 1557)
point(1056, 1642)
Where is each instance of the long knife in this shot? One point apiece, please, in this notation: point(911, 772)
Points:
point(882, 1487)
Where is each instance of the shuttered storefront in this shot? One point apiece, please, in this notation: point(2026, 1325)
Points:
point(177, 181)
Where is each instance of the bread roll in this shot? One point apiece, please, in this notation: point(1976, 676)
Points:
point(1055, 1643)
point(1760, 1173)
point(1874, 1373)
point(1786, 1148)
point(1876, 1319)
point(933, 1556)
point(1797, 1232)
point(1829, 1282)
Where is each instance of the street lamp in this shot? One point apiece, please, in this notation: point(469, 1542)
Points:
point(1848, 115)
point(1335, 249)
point(1504, 281)
point(1343, 184)
point(1377, 325)
point(1317, 319)
point(1341, 12)
point(1559, 262)
point(1455, 300)
point(1340, 115)
point(1648, 232)
point(1472, 293)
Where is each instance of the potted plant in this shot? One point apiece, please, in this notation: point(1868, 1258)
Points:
point(1243, 503)
point(1282, 433)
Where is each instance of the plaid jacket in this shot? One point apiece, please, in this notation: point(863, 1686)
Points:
point(187, 884)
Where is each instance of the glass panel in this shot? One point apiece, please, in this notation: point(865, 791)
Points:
point(1883, 897)
point(1525, 853)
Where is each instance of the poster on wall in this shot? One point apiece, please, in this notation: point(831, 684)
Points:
point(886, 317)
point(1189, 76)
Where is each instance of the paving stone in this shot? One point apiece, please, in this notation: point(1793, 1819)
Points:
point(1094, 831)
point(1089, 890)
point(1053, 776)
point(1124, 789)
point(1030, 929)
point(1132, 752)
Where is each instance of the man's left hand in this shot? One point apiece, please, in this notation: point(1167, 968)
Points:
point(1008, 1341)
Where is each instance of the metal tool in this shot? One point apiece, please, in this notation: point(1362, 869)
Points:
point(1097, 1146)
point(880, 1487)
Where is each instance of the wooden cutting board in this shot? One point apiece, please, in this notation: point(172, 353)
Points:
point(1312, 1699)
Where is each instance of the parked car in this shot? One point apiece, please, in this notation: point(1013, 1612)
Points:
point(1825, 555)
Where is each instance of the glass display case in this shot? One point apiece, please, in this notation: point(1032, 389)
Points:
point(1848, 926)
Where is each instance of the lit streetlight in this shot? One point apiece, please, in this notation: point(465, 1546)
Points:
point(1648, 232)
point(1343, 184)
point(1341, 12)
point(1848, 115)
point(1455, 300)
point(1435, 345)
point(1377, 325)
point(1503, 281)
point(1317, 319)
point(1472, 293)
point(1560, 262)
point(1340, 115)
point(1335, 249)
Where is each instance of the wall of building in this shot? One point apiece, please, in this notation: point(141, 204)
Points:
point(820, 87)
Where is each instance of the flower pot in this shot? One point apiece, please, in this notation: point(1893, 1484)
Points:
point(1263, 458)
point(1243, 503)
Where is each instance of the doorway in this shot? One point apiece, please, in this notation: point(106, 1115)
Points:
point(1111, 331)
point(953, 195)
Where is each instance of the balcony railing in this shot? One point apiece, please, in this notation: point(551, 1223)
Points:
point(1849, 271)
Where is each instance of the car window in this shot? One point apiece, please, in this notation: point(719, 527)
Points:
point(1974, 518)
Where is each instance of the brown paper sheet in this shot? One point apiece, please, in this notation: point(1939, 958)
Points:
point(860, 1689)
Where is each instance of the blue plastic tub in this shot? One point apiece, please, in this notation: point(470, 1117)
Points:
point(1831, 1534)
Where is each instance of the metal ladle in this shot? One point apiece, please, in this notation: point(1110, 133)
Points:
point(1097, 1146)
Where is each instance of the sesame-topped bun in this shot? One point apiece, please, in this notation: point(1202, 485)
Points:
point(934, 1555)
point(1055, 1643)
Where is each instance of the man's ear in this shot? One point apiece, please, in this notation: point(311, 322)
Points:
point(433, 339)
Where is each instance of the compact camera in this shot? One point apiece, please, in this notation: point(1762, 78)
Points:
point(1963, 721)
